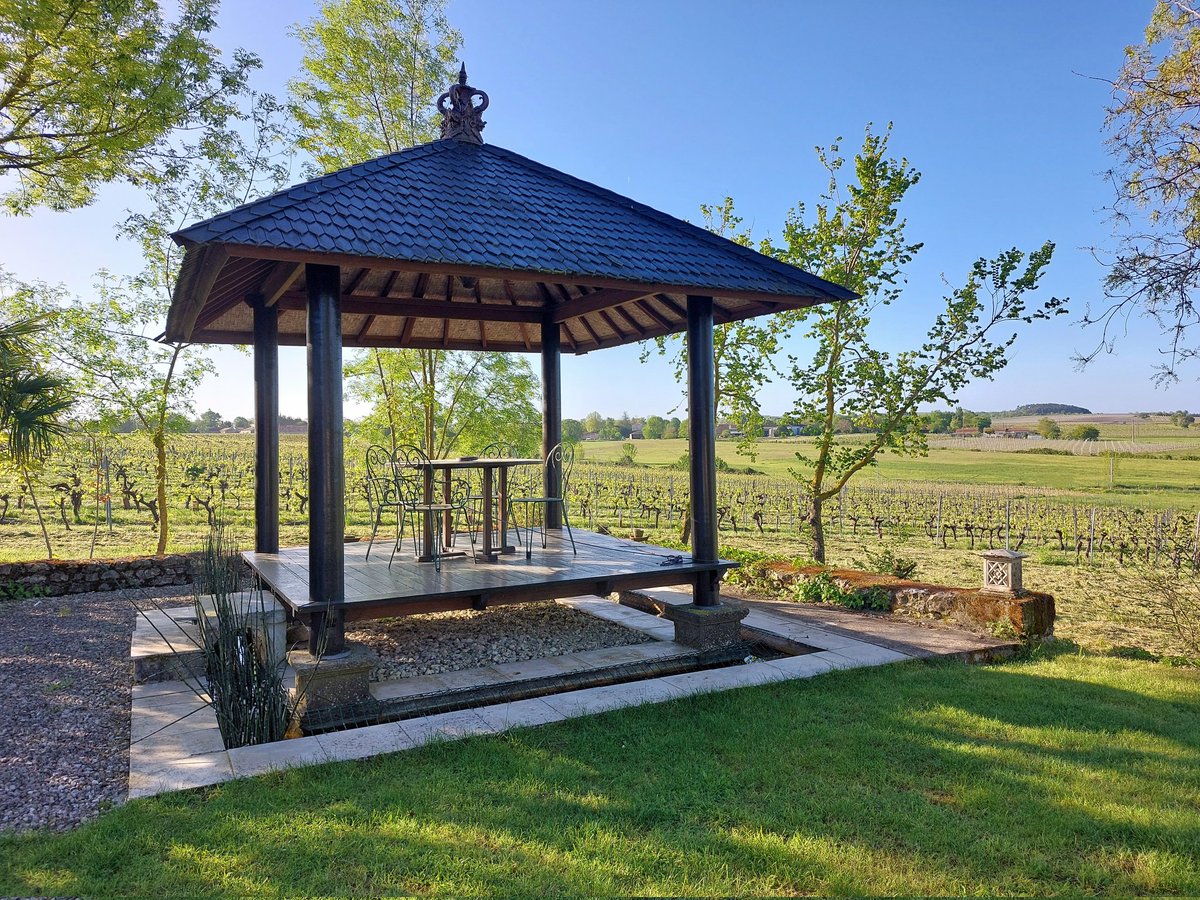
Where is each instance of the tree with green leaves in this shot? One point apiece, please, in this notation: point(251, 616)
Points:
point(593, 422)
point(1154, 120)
point(1083, 433)
point(372, 70)
point(446, 402)
point(572, 431)
point(743, 351)
point(857, 239)
point(107, 342)
point(91, 92)
point(32, 401)
point(1049, 429)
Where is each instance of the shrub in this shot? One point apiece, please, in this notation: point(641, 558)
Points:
point(15, 590)
point(886, 562)
point(1171, 598)
point(820, 588)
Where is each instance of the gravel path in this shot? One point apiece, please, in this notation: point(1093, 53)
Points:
point(65, 680)
point(64, 706)
point(446, 642)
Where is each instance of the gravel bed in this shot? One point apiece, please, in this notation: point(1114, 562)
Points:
point(64, 706)
point(449, 641)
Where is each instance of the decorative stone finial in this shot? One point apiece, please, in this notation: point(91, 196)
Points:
point(1002, 572)
point(462, 118)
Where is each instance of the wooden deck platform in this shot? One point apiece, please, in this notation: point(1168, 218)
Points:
point(373, 590)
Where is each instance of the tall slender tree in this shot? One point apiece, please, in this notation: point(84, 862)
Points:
point(372, 70)
point(108, 342)
point(857, 238)
point(463, 401)
point(744, 352)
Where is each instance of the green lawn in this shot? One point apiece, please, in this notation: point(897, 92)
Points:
point(1149, 481)
point(1067, 774)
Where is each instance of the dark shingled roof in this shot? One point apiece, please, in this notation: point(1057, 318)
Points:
point(499, 229)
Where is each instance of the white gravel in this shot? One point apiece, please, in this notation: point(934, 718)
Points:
point(447, 642)
point(65, 676)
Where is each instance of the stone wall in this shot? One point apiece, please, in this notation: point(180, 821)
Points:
point(1031, 614)
point(56, 577)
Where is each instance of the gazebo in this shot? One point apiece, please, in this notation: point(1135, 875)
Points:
point(457, 244)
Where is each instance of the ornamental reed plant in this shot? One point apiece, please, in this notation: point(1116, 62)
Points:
point(244, 667)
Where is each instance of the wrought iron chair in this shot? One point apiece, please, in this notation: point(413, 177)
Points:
point(412, 468)
point(383, 493)
point(561, 458)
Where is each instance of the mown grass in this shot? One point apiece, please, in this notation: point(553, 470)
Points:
point(1065, 774)
point(1145, 481)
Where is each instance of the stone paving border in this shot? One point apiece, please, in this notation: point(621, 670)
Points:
point(169, 755)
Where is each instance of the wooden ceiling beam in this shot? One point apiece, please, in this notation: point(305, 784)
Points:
point(298, 340)
point(347, 259)
point(566, 328)
point(547, 297)
point(357, 280)
point(611, 322)
point(590, 330)
point(601, 299)
point(279, 281)
point(633, 323)
point(425, 309)
point(670, 304)
point(365, 328)
point(658, 317)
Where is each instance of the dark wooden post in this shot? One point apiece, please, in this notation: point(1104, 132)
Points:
point(326, 466)
point(551, 416)
point(266, 426)
point(702, 443)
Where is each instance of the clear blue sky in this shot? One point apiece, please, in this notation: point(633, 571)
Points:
point(681, 103)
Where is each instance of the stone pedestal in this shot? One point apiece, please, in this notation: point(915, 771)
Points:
point(326, 686)
point(707, 627)
point(1002, 572)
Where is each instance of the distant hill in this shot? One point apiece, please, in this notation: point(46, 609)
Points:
point(1047, 409)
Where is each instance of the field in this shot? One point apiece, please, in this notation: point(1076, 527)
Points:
point(1083, 532)
point(1140, 480)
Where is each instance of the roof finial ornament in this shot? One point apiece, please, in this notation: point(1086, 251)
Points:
point(462, 118)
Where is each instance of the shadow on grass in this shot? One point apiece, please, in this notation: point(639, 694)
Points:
point(1057, 775)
